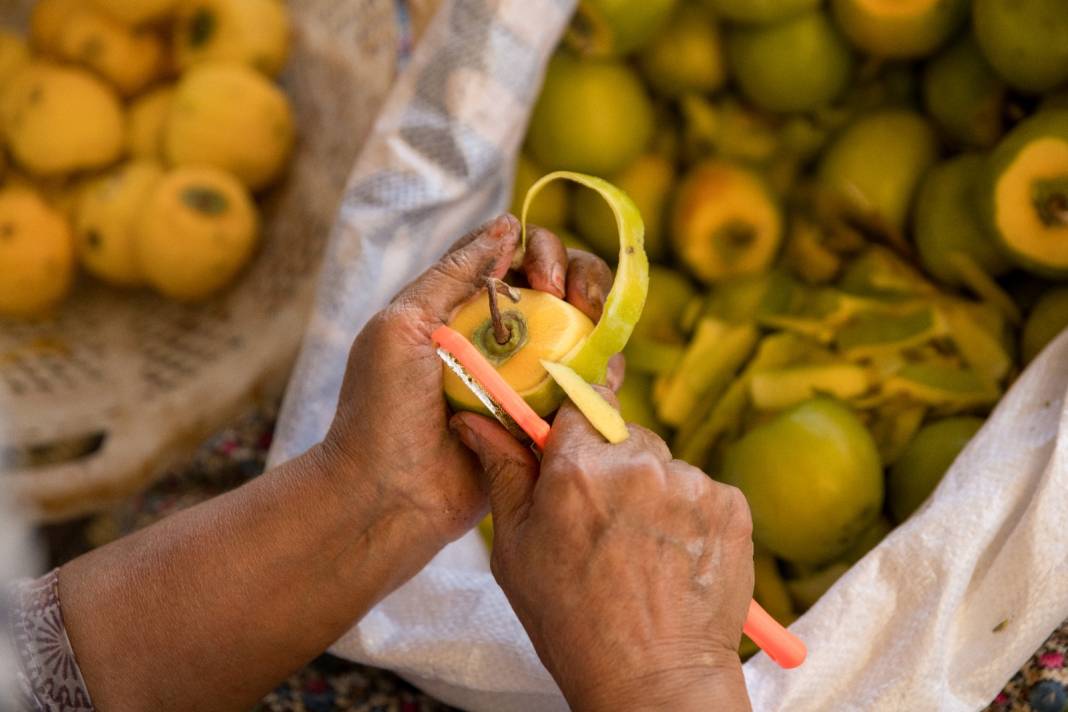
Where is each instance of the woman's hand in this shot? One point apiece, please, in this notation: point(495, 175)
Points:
point(391, 430)
point(632, 572)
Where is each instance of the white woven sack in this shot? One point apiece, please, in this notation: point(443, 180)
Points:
point(937, 617)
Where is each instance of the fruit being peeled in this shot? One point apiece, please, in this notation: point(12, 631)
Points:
point(875, 165)
point(924, 461)
point(686, 56)
point(230, 117)
point(1025, 195)
point(550, 209)
point(610, 28)
point(59, 119)
point(648, 182)
point(899, 29)
point(543, 328)
point(799, 64)
point(1048, 318)
point(813, 479)
point(107, 221)
point(946, 222)
point(36, 255)
point(1026, 41)
point(964, 96)
point(255, 32)
point(196, 232)
point(725, 222)
point(760, 11)
point(592, 116)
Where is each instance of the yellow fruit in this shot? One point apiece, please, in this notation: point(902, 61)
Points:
point(553, 329)
point(145, 123)
point(197, 231)
point(61, 119)
point(107, 221)
point(13, 55)
point(686, 56)
point(255, 32)
point(137, 12)
point(1026, 41)
point(36, 255)
point(899, 28)
point(925, 460)
point(760, 12)
point(725, 223)
point(549, 209)
point(1047, 319)
point(592, 116)
point(48, 19)
point(610, 28)
point(129, 59)
point(228, 116)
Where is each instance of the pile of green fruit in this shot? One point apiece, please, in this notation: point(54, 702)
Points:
point(857, 212)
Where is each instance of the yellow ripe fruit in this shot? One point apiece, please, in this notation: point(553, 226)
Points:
point(61, 119)
point(36, 255)
point(129, 59)
point(107, 220)
point(14, 54)
point(48, 19)
point(228, 116)
point(255, 32)
point(198, 229)
point(137, 12)
point(145, 122)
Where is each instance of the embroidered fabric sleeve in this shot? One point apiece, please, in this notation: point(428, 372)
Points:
point(48, 671)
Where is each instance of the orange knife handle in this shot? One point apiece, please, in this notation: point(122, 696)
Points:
point(781, 645)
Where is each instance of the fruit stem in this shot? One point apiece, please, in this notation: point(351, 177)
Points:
point(502, 333)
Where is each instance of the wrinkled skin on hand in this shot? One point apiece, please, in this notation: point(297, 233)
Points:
point(391, 426)
point(632, 572)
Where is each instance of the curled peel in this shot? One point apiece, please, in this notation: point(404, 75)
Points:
point(624, 303)
point(602, 416)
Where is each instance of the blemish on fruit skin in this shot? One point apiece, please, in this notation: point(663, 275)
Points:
point(93, 239)
point(7, 232)
point(1000, 626)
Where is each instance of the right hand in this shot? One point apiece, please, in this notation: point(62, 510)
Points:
point(631, 572)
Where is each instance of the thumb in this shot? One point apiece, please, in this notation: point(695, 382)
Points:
point(509, 470)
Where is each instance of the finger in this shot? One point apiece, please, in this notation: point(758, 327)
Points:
point(617, 372)
point(545, 261)
point(509, 470)
point(461, 273)
point(644, 439)
point(589, 280)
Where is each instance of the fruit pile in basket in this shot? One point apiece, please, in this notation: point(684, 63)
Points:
point(137, 134)
point(858, 211)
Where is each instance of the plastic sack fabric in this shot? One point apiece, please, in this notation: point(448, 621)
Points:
point(938, 616)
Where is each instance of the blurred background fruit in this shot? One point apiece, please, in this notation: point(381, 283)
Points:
point(254, 32)
point(610, 28)
point(899, 29)
point(687, 55)
point(1026, 41)
point(924, 461)
point(36, 254)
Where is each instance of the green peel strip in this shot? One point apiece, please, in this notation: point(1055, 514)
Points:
point(624, 303)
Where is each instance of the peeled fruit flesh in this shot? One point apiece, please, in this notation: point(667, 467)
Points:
point(604, 418)
point(230, 117)
point(107, 220)
point(60, 119)
point(145, 123)
point(550, 208)
point(874, 167)
point(964, 96)
point(799, 64)
point(725, 222)
point(36, 255)
point(1026, 41)
point(947, 223)
point(610, 28)
point(196, 232)
point(686, 56)
point(593, 116)
point(1048, 318)
point(648, 182)
point(920, 468)
point(543, 327)
point(813, 479)
point(1025, 195)
point(129, 59)
point(760, 11)
point(254, 32)
point(899, 29)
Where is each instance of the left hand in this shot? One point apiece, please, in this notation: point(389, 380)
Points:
point(391, 432)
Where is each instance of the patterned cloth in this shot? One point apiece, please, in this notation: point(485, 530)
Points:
point(330, 684)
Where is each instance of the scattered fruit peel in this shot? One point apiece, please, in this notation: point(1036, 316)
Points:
point(602, 416)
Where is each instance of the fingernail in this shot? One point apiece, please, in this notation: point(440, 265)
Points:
point(556, 278)
point(595, 296)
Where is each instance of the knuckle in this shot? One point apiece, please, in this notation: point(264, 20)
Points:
point(734, 509)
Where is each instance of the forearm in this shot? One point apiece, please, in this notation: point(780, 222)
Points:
point(211, 608)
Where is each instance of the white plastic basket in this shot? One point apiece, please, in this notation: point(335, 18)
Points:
point(135, 381)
